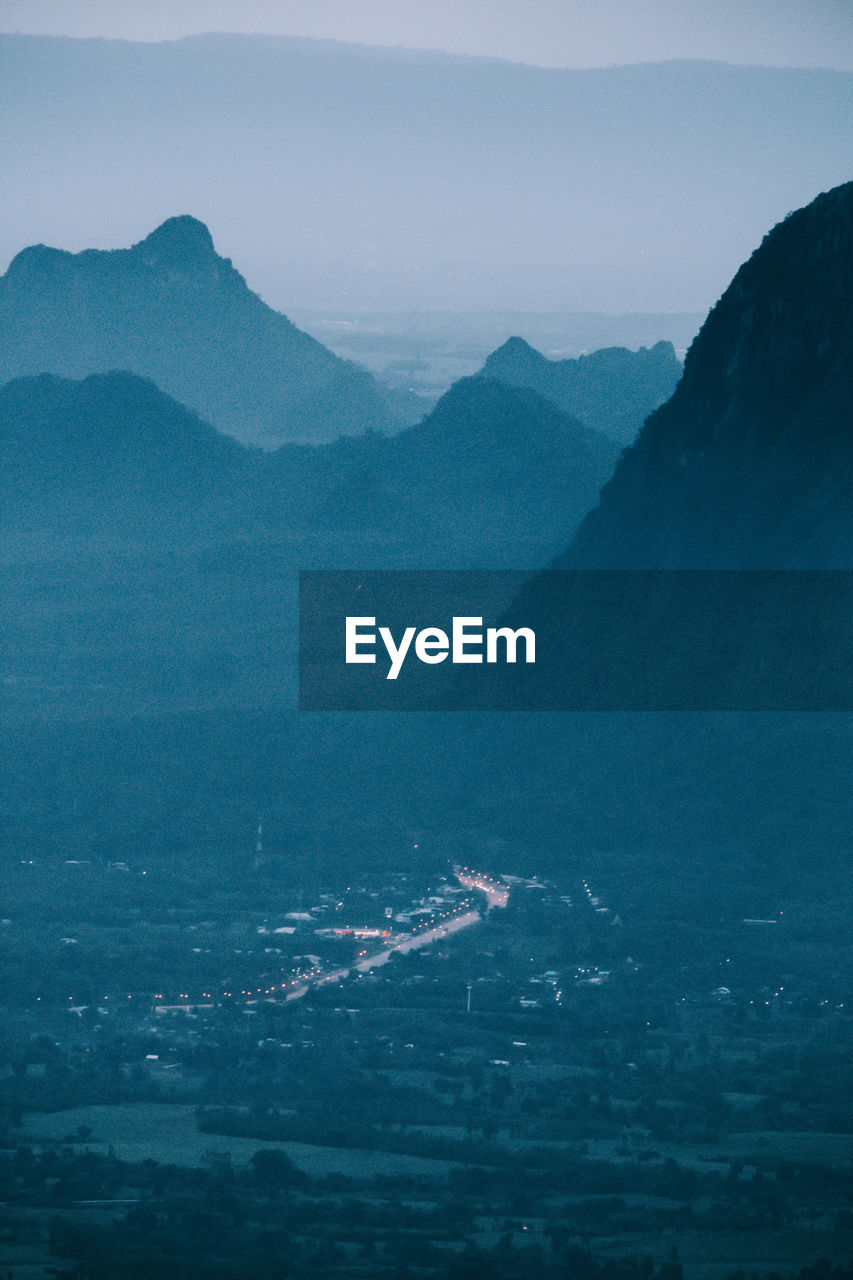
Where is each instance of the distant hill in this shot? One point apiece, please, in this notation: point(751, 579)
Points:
point(613, 390)
point(750, 464)
point(488, 477)
point(170, 308)
point(493, 476)
point(111, 460)
point(340, 175)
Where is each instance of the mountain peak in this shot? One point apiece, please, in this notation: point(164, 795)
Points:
point(515, 346)
point(515, 354)
point(170, 308)
point(612, 390)
point(180, 240)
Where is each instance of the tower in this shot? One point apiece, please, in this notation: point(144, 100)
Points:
point(259, 844)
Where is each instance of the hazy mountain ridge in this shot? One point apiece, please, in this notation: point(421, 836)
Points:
point(685, 796)
point(170, 308)
point(150, 563)
point(112, 461)
point(354, 173)
point(497, 462)
point(750, 464)
point(613, 390)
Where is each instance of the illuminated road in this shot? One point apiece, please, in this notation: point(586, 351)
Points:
point(405, 943)
point(496, 893)
point(496, 896)
point(414, 941)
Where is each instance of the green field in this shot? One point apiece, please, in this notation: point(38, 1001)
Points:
point(169, 1134)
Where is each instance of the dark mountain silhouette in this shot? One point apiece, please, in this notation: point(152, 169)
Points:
point(758, 804)
point(750, 464)
point(490, 468)
point(613, 390)
point(171, 309)
point(493, 476)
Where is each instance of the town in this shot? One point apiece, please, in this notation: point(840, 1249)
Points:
point(532, 1070)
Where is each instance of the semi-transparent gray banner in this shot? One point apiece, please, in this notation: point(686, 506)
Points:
point(657, 640)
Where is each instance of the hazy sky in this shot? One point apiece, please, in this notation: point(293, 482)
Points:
point(573, 33)
point(627, 189)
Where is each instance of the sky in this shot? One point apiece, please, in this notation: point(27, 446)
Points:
point(344, 179)
point(569, 33)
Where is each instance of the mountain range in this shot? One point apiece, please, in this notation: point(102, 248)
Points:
point(170, 308)
point(749, 464)
point(141, 670)
point(613, 390)
point(334, 173)
point(493, 476)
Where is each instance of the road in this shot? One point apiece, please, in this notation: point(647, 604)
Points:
point(496, 896)
point(412, 942)
point(496, 893)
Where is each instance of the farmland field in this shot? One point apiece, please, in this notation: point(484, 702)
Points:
point(169, 1134)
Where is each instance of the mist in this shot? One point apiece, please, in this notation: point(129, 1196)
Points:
point(345, 178)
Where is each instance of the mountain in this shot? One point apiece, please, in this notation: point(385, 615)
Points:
point(749, 466)
point(111, 458)
point(613, 390)
point(750, 463)
point(150, 562)
point(170, 308)
point(492, 477)
point(413, 181)
point(487, 478)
